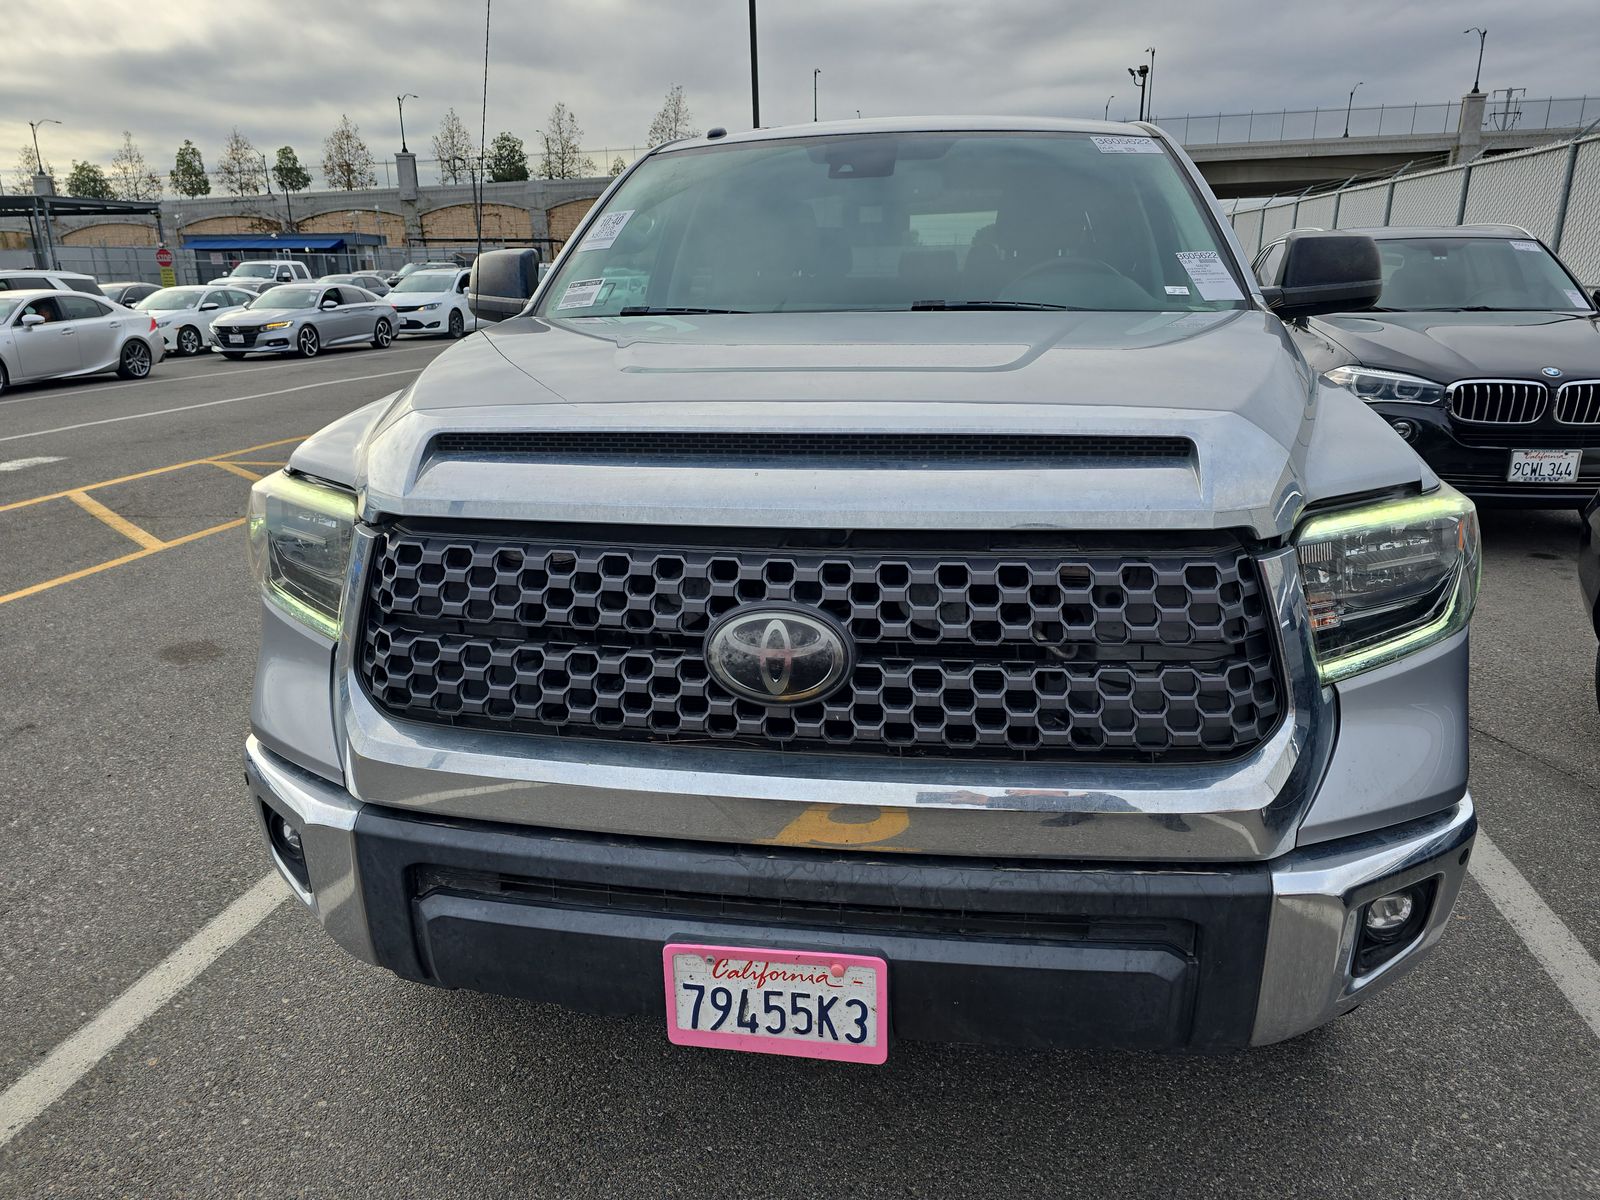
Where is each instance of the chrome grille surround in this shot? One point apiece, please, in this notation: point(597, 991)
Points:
point(1578, 402)
point(1498, 401)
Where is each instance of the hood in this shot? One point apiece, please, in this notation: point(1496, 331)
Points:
point(1447, 346)
point(260, 316)
point(410, 298)
point(1230, 383)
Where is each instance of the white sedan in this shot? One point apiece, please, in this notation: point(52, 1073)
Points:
point(433, 302)
point(184, 314)
point(52, 335)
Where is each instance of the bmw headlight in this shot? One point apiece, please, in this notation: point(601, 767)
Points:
point(300, 539)
point(1389, 387)
point(277, 325)
point(1385, 580)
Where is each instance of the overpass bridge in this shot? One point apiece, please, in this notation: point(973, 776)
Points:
point(1258, 154)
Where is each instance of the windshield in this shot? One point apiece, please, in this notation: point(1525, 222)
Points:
point(8, 305)
point(168, 299)
point(1491, 274)
point(288, 297)
point(896, 222)
point(256, 271)
point(427, 281)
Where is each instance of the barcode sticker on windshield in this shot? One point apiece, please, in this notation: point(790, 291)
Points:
point(1127, 145)
point(1578, 299)
point(604, 231)
point(1530, 247)
point(1209, 276)
point(1176, 290)
point(581, 293)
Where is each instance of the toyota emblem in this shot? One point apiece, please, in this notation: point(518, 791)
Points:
point(778, 655)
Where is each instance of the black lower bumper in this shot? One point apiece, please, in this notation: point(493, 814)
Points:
point(1009, 953)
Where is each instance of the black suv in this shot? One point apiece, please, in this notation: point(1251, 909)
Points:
point(1482, 352)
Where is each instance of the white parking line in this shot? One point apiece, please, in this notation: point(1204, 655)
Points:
point(22, 464)
point(1570, 967)
point(77, 1056)
point(162, 412)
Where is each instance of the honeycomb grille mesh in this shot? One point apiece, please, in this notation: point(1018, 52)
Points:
point(1135, 656)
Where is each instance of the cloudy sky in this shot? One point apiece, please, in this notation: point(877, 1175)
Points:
point(283, 71)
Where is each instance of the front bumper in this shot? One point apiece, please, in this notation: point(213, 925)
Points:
point(1036, 953)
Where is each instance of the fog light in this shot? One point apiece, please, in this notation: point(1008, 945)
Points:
point(1404, 428)
point(290, 837)
point(1388, 914)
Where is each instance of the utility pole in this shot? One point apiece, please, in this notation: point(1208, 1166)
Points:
point(1348, 106)
point(483, 122)
point(1140, 76)
point(400, 102)
point(1483, 35)
point(38, 163)
point(1150, 86)
point(815, 71)
point(755, 78)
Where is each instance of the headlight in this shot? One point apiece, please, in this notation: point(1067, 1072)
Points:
point(1385, 580)
point(1390, 387)
point(430, 307)
point(277, 325)
point(300, 539)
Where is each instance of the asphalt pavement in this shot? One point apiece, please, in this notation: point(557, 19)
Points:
point(282, 1067)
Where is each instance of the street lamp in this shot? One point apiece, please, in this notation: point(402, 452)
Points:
point(1483, 34)
point(755, 78)
point(1150, 85)
point(815, 71)
point(38, 163)
point(400, 102)
point(1140, 74)
point(1107, 114)
point(1348, 106)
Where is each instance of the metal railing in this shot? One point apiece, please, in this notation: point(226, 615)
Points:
point(1384, 120)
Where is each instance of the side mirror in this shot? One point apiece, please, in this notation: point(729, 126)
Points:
point(209, 307)
point(326, 304)
point(1595, 296)
point(501, 283)
point(1325, 273)
point(29, 320)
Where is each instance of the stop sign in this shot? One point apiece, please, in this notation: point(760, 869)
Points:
point(163, 257)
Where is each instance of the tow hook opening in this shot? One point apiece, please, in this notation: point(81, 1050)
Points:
point(288, 847)
point(1391, 923)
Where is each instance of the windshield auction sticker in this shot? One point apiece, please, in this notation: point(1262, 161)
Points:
point(1126, 145)
point(1529, 247)
point(1209, 276)
point(581, 293)
point(605, 231)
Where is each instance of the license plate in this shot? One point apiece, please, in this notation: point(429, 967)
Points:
point(796, 1002)
point(236, 339)
point(1544, 466)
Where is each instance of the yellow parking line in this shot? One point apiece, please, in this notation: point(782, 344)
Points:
point(35, 589)
point(116, 520)
point(193, 462)
point(256, 462)
point(236, 469)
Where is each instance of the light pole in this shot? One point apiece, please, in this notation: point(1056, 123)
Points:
point(1483, 35)
point(755, 78)
point(400, 102)
point(1150, 86)
point(1140, 75)
point(1349, 104)
point(38, 163)
point(1106, 116)
point(815, 71)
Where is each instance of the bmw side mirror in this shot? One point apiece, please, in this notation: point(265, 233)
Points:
point(29, 320)
point(501, 283)
point(1325, 273)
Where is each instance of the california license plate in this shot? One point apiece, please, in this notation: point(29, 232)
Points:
point(1544, 466)
point(236, 339)
point(796, 1002)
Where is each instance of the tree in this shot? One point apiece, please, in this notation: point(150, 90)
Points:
point(453, 148)
point(508, 159)
point(674, 120)
point(89, 181)
point(239, 170)
point(28, 166)
point(188, 174)
point(618, 166)
point(562, 158)
point(346, 161)
point(287, 172)
point(131, 176)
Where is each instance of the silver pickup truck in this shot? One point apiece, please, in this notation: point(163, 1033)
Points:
point(892, 580)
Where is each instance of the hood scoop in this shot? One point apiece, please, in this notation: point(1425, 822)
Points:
point(803, 450)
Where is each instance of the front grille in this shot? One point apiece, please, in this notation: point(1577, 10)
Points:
point(1497, 401)
point(223, 332)
point(906, 450)
point(1579, 403)
point(1034, 651)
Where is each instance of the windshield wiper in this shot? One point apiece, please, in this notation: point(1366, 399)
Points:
point(645, 310)
point(990, 305)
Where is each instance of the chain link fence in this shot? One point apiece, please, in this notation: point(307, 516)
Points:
point(1553, 192)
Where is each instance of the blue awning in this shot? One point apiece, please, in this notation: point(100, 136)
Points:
point(303, 242)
